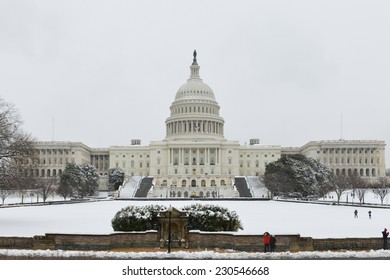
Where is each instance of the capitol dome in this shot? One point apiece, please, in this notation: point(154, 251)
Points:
point(195, 111)
point(195, 87)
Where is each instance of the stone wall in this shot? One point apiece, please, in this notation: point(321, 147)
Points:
point(347, 244)
point(248, 243)
point(196, 239)
point(16, 242)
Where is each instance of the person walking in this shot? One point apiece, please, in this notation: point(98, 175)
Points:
point(385, 234)
point(272, 243)
point(356, 213)
point(369, 214)
point(267, 240)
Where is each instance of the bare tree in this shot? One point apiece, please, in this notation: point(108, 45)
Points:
point(339, 184)
point(46, 186)
point(14, 143)
point(358, 185)
point(360, 193)
point(5, 180)
point(16, 149)
point(381, 188)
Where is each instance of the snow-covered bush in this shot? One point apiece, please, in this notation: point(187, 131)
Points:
point(201, 217)
point(212, 218)
point(137, 218)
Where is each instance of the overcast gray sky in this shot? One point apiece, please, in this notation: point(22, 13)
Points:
point(284, 71)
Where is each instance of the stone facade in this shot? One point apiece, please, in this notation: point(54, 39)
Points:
point(195, 155)
point(363, 157)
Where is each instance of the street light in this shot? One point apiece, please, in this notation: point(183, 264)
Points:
point(169, 229)
point(31, 196)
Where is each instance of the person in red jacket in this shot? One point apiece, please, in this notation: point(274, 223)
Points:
point(267, 239)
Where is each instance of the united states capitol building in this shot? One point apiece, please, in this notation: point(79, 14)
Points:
point(195, 159)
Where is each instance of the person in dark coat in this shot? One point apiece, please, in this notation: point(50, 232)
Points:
point(356, 213)
point(267, 240)
point(385, 234)
point(272, 243)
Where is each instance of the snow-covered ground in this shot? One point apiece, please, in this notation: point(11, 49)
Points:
point(277, 217)
point(201, 255)
point(257, 216)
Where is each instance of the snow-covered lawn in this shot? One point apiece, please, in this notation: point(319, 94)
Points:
point(277, 217)
point(308, 220)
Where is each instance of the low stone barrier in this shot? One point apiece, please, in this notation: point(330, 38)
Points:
point(196, 239)
point(16, 242)
point(352, 244)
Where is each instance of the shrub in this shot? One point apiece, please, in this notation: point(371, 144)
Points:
point(137, 218)
point(201, 217)
point(212, 218)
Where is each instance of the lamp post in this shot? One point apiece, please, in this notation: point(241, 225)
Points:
point(31, 196)
point(169, 229)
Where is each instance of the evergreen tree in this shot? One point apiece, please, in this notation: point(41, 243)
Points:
point(116, 176)
point(91, 178)
point(81, 180)
point(71, 181)
point(295, 174)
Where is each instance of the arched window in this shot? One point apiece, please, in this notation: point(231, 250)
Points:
point(193, 183)
point(184, 183)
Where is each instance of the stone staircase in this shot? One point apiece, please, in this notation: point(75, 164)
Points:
point(144, 187)
point(242, 187)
